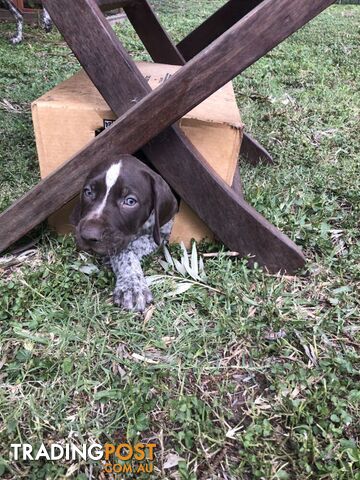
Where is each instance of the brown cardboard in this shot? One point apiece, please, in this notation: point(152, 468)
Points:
point(66, 117)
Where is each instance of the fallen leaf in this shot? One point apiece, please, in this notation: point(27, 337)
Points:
point(141, 358)
point(172, 460)
point(149, 313)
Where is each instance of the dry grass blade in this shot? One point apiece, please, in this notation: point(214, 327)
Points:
point(220, 254)
point(9, 107)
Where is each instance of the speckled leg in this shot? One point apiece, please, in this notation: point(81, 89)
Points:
point(17, 38)
point(131, 291)
point(46, 21)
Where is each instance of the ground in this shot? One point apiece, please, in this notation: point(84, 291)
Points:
point(250, 376)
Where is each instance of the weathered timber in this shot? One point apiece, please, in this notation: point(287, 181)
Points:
point(163, 50)
point(214, 26)
point(201, 37)
point(151, 33)
point(117, 54)
point(243, 44)
point(253, 152)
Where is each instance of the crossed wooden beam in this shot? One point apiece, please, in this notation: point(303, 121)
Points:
point(234, 38)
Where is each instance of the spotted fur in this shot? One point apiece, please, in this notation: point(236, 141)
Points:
point(131, 291)
point(18, 37)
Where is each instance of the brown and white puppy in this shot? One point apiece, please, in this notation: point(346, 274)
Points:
point(125, 212)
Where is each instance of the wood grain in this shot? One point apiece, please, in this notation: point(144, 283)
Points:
point(162, 50)
point(243, 44)
point(214, 26)
point(153, 26)
point(251, 150)
point(154, 37)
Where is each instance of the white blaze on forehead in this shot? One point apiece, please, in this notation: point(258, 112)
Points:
point(111, 177)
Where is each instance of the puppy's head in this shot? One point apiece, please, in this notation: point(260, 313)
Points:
point(116, 200)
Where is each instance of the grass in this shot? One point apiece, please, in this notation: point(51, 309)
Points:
point(260, 381)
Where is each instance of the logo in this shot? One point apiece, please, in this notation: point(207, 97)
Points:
point(115, 458)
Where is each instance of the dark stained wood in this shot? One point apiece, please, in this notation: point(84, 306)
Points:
point(154, 37)
point(236, 184)
point(162, 50)
point(105, 83)
point(253, 152)
point(245, 230)
point(242, 228)
point(106, 5)
point(214, 26)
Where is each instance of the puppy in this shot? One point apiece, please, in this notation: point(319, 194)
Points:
point(17, 38)
point(125, 212)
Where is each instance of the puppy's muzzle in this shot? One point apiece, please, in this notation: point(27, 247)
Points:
point(91, 233)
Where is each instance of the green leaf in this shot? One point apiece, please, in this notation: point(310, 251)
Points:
point(334, 418)
point(24, 334)
point(282, 475)
point(108, 395)
point(141, 422)
point(67, 365)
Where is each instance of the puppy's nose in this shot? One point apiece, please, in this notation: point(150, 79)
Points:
point(91, 233)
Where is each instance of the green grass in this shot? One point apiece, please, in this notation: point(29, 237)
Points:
point(231, 402)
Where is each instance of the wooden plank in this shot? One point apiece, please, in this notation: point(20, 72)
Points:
point(162, 50)
point(236, 184)
point(154, 37)
point(174, 148)
point(214, 26)
point(253, 152)
point(56, 189)
point(252, 37)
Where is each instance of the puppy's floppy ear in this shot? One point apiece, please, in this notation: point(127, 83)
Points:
point(164, 202)
point(75, 215)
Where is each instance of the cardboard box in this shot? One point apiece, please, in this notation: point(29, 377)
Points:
point(66, 118)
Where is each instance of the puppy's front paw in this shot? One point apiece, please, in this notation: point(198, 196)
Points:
point(133, 298)
point(15, 40)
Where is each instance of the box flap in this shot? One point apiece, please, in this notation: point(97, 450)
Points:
point(79, 91)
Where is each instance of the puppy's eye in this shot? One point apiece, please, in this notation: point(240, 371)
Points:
point(130, 201)
point(88, 193)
